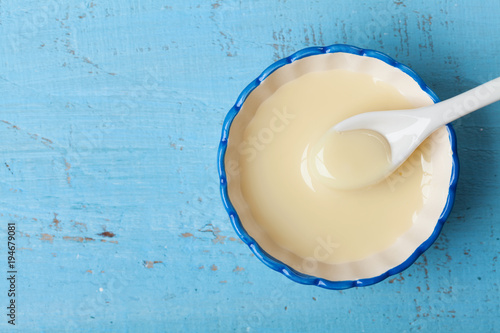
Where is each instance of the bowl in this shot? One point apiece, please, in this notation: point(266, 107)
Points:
point(411, 244)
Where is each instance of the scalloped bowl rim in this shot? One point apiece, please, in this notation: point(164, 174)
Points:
point(281, 267)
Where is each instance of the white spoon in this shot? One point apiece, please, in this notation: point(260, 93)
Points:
point(405, 130)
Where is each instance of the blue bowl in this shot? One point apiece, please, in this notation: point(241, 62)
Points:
point(280, 266)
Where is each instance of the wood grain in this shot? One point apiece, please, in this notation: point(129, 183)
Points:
point(110, 116)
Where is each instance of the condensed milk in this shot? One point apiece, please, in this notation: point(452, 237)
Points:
point(293, 169)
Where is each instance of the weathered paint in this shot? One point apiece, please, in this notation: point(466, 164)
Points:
point(110, 115)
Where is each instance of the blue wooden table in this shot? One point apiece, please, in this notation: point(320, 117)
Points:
point(110, 117)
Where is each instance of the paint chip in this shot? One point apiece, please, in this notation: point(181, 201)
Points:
point(78, 239)
point(106, 234)
point(56, 222)
point(47, 237)
point(150, 264)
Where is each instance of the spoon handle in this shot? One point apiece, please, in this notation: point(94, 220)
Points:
point(451, 109)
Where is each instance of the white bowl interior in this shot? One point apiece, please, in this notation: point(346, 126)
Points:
point(425, 223)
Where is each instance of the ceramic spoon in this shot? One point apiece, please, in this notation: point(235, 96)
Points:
point(405, 130)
